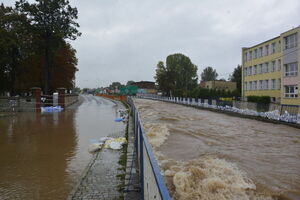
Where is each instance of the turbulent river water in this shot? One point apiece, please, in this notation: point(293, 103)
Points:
point(43, 155)
point(208, 155)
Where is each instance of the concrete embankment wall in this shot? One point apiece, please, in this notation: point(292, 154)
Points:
point(17, 104)
point(152, 182)
point(114, 97)
point(33, 103)
point(70, 99)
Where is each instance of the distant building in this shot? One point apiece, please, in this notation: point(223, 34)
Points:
point(271, 68)
point(219, 85)
point(145, 87)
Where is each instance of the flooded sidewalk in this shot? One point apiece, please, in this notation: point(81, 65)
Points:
point(101, 178)
point(42, 156)
point(208, 155)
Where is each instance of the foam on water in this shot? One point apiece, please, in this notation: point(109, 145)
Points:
point(209, 178)
point(157, 133)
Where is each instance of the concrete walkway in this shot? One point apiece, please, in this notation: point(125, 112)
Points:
point(100, 178)
point(99, 181)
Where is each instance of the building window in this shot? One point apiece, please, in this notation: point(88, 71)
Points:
point(250, 71)
point(245, 71)
point(267, 50)
point(250, 85)
point(291, 69)
point(255, 53)
point(291, 41)
point(245, 86)
point(266, 84)
point(254, 86)
point(255, 69)
point(250, 55)
point(261, 85)
point(273, 66)
point(265, 67)
point(279, 84)
point(279, 46)
point(260, 68)
point(245, 56)
point(260, 51)
point(279, 65)
point(273, 84)
point(273, 47)
point(291, 91)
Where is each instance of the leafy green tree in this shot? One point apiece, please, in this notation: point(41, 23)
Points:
point(209, 74)
point(14, 46)
point(162, 78)
point(115, 85)
point(236, 76)
point(178, 76)
point(52, 21)
point(130, 82)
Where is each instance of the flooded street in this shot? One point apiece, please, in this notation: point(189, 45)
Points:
point(208, 155)
point(43, 155)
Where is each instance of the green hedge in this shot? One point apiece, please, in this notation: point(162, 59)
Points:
point(204, 93)
point(259, 99)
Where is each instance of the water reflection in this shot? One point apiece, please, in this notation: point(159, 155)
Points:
point(43, 155)
point(34, 149)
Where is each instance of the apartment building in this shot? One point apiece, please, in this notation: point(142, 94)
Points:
point(271, 68)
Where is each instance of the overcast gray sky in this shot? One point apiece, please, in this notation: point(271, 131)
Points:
point(124, 39)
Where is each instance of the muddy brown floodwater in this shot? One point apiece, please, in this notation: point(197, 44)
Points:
point(208, 155)
point(43, 155)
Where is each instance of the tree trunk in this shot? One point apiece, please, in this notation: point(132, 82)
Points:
point(13, 73)
point(47, 66)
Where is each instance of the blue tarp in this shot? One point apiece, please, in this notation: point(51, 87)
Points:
point(51, 109)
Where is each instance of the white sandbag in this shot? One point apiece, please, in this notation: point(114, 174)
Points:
point(95, 147)
point(103, 139)
point(115, 145)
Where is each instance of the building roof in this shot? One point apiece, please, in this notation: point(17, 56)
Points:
point(246, 48)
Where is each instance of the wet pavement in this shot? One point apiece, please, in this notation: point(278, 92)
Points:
point(209, 155)
point(100, 180)
point(42, 156)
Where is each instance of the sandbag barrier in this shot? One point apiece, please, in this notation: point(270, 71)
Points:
point(277, 115)
point(153, 185)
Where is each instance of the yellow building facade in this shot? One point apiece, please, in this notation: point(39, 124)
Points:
point(219, 85)
point(271, 68)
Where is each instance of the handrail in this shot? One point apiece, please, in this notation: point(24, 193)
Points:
point(160, 182)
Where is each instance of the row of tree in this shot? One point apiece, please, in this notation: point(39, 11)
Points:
point(178, 77)
point(34, 47)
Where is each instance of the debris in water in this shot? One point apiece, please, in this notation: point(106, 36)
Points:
point(119, 119)
point(115, 143)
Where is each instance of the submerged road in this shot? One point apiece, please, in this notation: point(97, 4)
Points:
point(209, 155)
point(43, 155)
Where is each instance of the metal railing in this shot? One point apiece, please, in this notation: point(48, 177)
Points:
point(152, 182)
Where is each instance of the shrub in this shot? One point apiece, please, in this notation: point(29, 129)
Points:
point(259, 99)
